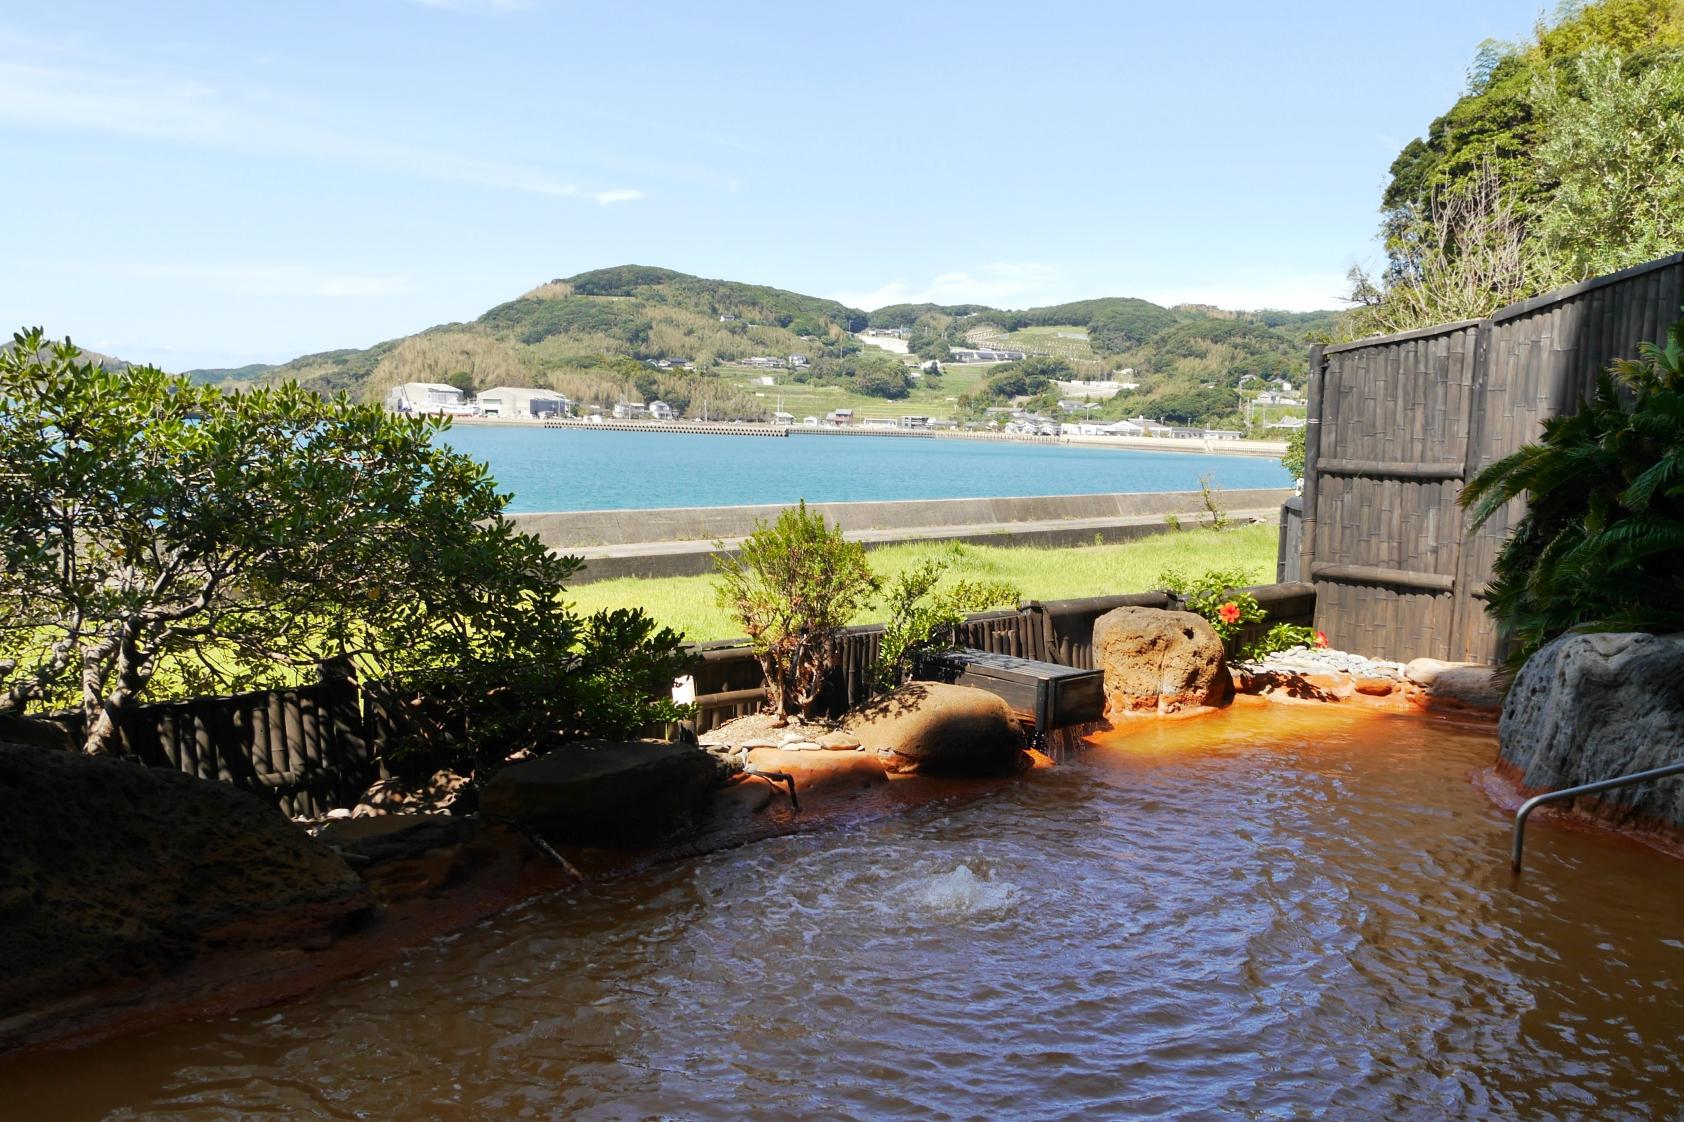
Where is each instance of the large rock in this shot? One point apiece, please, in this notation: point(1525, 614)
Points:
point(1589, 707)
point(110, 871)
point(605, 793)
point(823, 774)
point(401, 856)
point(938, 729)
point(1157, 661)
point(1462, 684)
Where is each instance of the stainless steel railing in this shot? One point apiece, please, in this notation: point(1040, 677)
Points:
point(1536, 801)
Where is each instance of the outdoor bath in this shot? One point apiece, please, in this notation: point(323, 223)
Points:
point(1272, 911)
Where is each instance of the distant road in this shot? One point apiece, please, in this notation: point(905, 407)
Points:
point(1271, 449)
point(887, 343)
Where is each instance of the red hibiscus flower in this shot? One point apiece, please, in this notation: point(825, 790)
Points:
point(1321, 638)
point(1229, 612)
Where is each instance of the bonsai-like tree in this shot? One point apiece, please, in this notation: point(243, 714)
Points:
point(156, 533)
point(794, 585)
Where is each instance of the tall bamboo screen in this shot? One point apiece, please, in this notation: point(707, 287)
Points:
point(1398, 424)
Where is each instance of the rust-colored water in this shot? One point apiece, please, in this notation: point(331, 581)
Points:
point(1270, 913)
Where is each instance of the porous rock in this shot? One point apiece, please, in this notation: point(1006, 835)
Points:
point(605, 792)
point(114, 872)
point(1590, 707)
point(934, 728)
point(1459, 683)
point(1158, 661)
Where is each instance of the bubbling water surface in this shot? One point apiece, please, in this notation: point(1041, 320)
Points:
point(1277, 913)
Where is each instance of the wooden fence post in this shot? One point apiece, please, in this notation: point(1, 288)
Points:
point(1312, 454)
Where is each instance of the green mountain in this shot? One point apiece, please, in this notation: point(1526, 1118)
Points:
point(227, 375)
point(636, 331)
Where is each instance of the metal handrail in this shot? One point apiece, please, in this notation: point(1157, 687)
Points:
point(1536, 801)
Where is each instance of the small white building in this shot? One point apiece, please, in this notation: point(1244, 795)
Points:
point(522, 402)
point(428, 397)
point(779, 417)
point(661, 411)
point(630, 410)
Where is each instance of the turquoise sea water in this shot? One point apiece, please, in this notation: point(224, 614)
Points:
point(576, 469)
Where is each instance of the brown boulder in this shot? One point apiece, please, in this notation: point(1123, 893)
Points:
point(605, 793)
point(822, 773)
point(405, 855)
point(1157, 661)
point(938, 729)
point(114, 872)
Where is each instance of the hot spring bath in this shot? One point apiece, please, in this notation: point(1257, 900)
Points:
point(1274, 912)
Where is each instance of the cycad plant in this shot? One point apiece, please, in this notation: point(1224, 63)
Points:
point(1601, 545)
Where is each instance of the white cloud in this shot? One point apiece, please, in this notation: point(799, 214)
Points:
point(1247, 291)
point(1030, 284)
point(165, 108)
point(1011, 284)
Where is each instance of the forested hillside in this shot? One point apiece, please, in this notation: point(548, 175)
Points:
point(1563, 160)
point(599, 336)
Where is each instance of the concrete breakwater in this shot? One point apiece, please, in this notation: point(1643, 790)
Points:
point(681, 541)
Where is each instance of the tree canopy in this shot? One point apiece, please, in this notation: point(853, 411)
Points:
point(1563, 160)
point(158, 535)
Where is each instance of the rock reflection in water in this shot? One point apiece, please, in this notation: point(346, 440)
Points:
point(1274, 913)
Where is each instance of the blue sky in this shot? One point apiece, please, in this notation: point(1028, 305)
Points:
point(229, 182)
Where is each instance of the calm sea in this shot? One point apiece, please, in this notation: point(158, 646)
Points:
point(576, 469)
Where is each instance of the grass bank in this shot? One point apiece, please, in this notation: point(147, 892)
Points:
point(686, 603)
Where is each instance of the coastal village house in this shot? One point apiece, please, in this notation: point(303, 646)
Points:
point(428, 397)
point(522, 402)
point(661, 411)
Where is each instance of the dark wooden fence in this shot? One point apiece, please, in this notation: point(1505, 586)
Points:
point(1398, 424)
point(315, 748)
point(305, 749)
point(729, 683)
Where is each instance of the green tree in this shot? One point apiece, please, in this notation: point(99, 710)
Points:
point(1614, 148)
point(1293, 460)
point(1601, 543)
point(794, 584)
point(1561, 161)
point(156, 531)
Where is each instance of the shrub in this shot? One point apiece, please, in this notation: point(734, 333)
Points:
point(924, 617)
point(1214, 596)
point(1282, 637)
point(1601, 545)
point(794, 585)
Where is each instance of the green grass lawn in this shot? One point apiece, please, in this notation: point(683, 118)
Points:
point(686, 603)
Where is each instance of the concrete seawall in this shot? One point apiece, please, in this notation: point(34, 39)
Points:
point(680, 541)
point(1262, 449)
